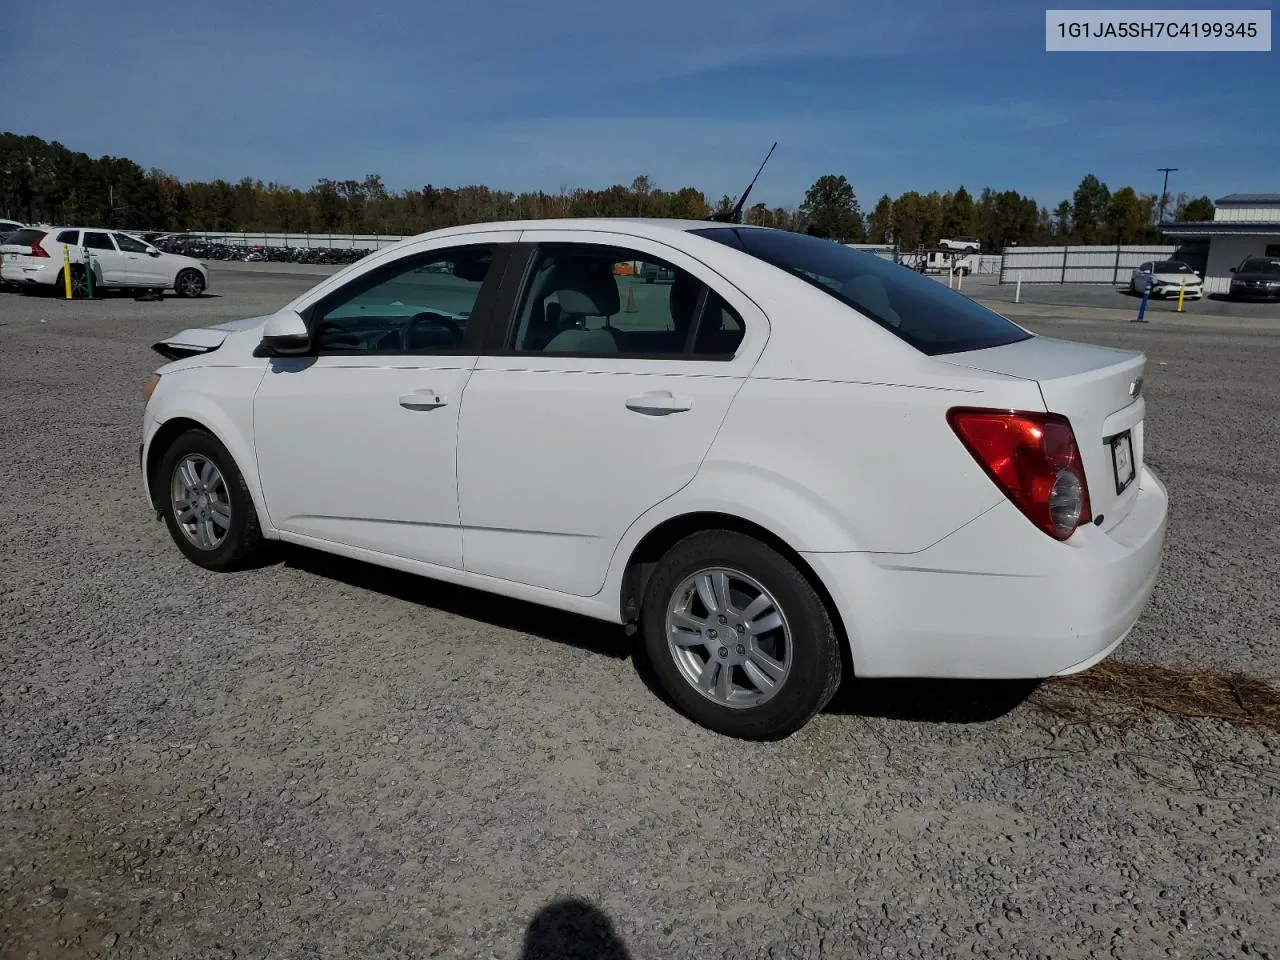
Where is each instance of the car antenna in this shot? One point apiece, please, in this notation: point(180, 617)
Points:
point(732, 216)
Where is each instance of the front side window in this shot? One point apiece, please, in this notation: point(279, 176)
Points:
point(128, 244)
point(915, 308)
point(419, 304)
point(98, 241)
point(597, 300)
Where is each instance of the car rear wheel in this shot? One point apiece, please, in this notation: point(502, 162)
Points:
point(188, 283)
point(79, 284)
point(738, 636)
point(206, 503)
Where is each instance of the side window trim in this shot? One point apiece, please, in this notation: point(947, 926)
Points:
point(505, 321)
point(477, 324)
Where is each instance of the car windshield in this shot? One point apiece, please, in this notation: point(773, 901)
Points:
point(1260, 266)
point(1172, 266)
point(913, 307)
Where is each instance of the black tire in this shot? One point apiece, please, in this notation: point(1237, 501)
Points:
point(79, 284)
point(188, 283)
point(816, 665)
point(243, 540)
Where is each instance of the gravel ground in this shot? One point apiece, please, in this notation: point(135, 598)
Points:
point(324, 759)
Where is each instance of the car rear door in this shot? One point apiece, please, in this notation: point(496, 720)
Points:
point(110, 266)
point(357, 441)
point(593, 403)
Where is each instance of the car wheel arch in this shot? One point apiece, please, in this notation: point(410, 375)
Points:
point(180, 423)
point(644, 556)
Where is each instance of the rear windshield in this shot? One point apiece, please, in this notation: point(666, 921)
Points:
point(25, 238)
point(913, 307)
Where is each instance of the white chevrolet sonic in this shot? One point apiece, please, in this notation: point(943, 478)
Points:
point(785, 460)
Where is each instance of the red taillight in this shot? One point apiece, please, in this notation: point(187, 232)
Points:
point(38, 251)
point(1033, 459)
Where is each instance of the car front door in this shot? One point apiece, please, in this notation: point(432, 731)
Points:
point(141, 268)
point(357, 441)
point(597, 399)
point(110, 267)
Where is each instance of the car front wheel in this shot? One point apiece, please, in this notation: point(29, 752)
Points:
point(206, 503)
point(738, 637)
point(188, 283)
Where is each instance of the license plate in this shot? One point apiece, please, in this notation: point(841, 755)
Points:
point(1122, 460)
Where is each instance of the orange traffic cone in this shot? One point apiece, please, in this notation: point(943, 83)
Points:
point(631, 301)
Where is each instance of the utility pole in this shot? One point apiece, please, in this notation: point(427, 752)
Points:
point(1164, 193)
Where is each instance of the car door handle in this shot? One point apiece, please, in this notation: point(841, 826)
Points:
point(658, 403)
point(422, 400)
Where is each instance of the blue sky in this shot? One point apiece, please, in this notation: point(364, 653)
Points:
point(908, 95)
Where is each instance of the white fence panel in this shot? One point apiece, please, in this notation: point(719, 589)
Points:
point(1077, 264)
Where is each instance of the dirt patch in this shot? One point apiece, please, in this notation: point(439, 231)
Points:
point(1121, 694)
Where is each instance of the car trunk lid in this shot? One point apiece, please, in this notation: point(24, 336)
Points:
point(1099, 390)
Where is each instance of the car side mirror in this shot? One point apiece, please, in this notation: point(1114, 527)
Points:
point(1233, 269)
point(284, 334)
point(152, 252)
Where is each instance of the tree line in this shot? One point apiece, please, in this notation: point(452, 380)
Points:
point(42, 182)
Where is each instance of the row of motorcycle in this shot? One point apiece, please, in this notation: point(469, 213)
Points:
point(214, 250)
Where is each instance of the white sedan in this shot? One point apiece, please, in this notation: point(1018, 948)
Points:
point(794, 461)
point(1166, 278)
point(35, 257)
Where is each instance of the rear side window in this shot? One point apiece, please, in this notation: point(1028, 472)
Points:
point(98, 241)
point(913, 307)
point(26, 238)
point(69, 237)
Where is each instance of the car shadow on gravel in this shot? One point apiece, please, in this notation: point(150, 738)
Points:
point(585, 633)
point(922, 701)
point(931, 701)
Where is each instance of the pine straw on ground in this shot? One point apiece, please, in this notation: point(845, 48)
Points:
point(1122, 694)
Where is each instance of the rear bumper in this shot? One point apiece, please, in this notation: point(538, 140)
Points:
point(998, 599)
point(45, 273)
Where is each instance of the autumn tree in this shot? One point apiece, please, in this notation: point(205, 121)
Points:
point(1201, 208)
point(830, 207)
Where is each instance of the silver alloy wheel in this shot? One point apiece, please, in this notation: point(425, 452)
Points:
point(79, 285)
point(201, 501)
point(729, 638)
point(190, 284)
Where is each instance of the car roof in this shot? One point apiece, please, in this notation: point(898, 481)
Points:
point(654, 227)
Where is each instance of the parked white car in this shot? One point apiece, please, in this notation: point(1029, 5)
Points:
point(961, 244)
point(795, 459)
point(1166, 278)
point(9, 226)
point(33, 257)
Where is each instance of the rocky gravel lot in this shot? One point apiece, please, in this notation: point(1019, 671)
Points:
point(322, 759)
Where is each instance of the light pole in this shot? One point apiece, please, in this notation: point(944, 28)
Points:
point(1164, 193)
